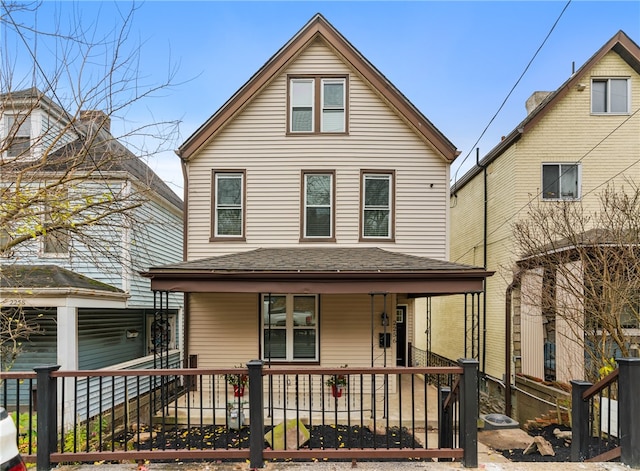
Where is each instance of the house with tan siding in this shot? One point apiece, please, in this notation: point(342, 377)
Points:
point(573, 142)
point(317, 214)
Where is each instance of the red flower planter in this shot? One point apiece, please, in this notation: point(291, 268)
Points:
point(238, 391)
point(336, 391)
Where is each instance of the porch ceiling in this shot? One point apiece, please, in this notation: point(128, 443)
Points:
point(318, 270)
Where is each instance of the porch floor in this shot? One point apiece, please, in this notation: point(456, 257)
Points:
point(419, 412)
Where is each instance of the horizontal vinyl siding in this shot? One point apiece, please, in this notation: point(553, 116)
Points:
point(223, 329)
point(102, 340)
point(256, 141)
point(156, 240)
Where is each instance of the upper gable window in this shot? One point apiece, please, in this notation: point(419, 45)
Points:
point(228, 205)
point(610, 96)
point(318, 214)
point(317, 105)
point(377, 205)
point(560, 181)
point(18, 135)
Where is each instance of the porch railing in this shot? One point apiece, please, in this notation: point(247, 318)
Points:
point(606, 416)
point(287, 413)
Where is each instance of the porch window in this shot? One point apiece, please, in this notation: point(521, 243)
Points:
point(290, 327)
point(377, 199)
point(318, 206)
point(228, 205)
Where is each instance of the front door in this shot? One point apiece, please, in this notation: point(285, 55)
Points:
point(401, 335)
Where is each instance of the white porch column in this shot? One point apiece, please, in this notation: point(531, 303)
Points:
point(67, 339)
point(67, 345)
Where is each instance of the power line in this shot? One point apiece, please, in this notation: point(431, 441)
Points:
point(586, 154)
point(504, 102)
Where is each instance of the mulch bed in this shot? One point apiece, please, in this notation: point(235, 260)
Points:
point(321, 436)
point(561, 446)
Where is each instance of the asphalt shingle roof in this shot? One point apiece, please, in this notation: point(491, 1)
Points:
point(313, 259)
point(48, 276)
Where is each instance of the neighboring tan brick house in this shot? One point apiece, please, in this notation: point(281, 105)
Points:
point(573, 141)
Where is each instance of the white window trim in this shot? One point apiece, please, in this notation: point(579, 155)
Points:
point(343, 81)
point(313, 110)
point(217, 206)
point(30, 154)
point(290, 328)
point(389, 178)
point(306, 205)
point(608, 81)
point(560, 198)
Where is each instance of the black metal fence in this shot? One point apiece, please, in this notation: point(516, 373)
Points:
point(606, 416)
point(255, 413)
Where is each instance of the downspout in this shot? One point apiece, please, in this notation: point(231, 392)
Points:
point(484, 263)
point(185, 296)
point(507, 349)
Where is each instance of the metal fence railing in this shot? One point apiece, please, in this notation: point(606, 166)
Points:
point(606, 416)
point(253, 413)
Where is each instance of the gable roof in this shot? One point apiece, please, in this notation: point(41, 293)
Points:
point(319, 27)
point(105, 142)
point(620, 43)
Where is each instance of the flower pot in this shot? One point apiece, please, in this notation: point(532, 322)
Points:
point(238, 391)
point(336, 391)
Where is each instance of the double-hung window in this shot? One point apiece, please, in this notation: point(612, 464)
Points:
point(228, 204)
point(610, 96)
point(333, 105)
point(290, 327)
point(318, 214)
point(377, 205)
point(17, 135)
point(55, 242)
point(317, 105)
point(560, 181)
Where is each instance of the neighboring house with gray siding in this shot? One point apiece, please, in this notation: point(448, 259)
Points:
point(92, 308)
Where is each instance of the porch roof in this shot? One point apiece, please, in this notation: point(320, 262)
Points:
point(318, 270)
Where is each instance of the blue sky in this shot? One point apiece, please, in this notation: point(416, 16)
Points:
point(456, 61)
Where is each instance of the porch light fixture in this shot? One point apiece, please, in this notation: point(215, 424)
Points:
point(384, 319)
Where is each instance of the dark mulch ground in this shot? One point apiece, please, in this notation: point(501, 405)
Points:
point(561, 446)
point(321, 436)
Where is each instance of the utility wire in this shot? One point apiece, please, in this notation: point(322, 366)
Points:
point(586, 154)
point(504, 102)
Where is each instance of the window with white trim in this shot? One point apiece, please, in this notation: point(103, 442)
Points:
point(318, 205)
point(290, 327)
point(333, 105)
point(228, 212)
point(560, 181)
point(55, 242)
point(377, 200)
point(317, 104)
point(610, 96)
point(18, 135)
